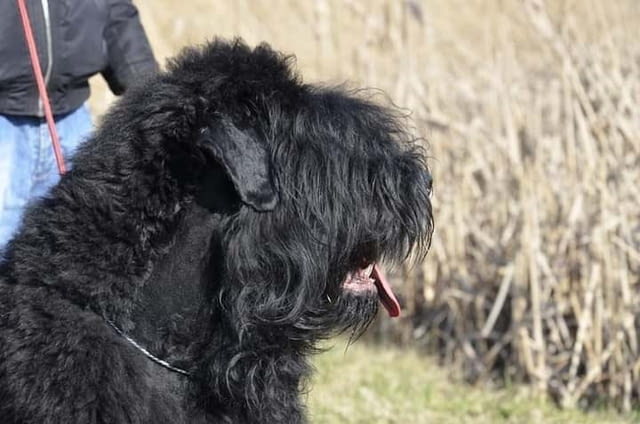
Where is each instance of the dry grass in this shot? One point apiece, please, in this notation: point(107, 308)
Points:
point(532, 112)
point(390, 386)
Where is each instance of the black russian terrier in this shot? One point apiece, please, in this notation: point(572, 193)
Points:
point(223, 219)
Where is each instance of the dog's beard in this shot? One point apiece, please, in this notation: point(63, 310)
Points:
point(354, 310)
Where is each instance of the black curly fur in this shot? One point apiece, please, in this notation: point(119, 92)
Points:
point(213, 216)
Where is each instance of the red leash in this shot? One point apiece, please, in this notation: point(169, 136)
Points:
point(42, 89)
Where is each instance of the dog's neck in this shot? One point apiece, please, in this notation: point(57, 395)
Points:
point(166, 307)
point(165, 312)
point(166, 323)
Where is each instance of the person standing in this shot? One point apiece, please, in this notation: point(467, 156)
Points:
point(75, 40)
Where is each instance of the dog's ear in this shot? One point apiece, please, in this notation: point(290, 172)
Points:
point(246, 162)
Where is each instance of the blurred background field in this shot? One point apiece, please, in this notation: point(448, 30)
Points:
point(531, 113)
point(386, 385)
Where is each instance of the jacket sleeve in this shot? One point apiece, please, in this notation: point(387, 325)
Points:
point(128, 49)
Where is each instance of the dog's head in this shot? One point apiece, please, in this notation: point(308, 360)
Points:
point(327, 186)
point(303, 192)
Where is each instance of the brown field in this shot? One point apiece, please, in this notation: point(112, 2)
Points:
point(531, 111)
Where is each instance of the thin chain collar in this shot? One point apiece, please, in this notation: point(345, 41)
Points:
point(146, 353)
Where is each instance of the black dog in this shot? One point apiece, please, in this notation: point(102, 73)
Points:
point(223, 219)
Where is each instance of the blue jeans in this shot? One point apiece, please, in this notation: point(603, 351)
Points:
point(28, 166)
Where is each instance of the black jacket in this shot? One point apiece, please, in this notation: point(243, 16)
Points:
point(75, 40)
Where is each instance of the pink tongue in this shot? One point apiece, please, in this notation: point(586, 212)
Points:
point(387, 297)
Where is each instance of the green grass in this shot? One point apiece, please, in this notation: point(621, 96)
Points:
point(387, 386)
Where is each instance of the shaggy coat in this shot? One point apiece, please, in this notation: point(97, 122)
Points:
point(213, 219)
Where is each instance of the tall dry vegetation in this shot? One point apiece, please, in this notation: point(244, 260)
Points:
point(532, 115)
